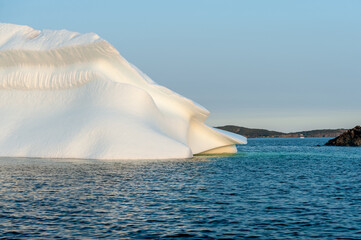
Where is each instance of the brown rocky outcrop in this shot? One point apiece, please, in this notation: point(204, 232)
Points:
point(350, 138)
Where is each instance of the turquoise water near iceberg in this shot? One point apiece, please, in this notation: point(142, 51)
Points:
point(272, 189)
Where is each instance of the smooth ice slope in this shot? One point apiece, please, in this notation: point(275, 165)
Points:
point(71, 95)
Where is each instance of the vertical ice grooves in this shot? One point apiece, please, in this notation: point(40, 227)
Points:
point(45, 79)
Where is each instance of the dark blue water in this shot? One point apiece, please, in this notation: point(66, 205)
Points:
point(274, 188)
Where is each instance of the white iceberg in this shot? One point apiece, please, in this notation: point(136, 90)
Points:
point(71, 95)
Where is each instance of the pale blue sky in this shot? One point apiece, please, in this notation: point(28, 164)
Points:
point(281, 65)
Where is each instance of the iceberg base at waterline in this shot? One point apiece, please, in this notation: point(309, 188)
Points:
point(71, 95)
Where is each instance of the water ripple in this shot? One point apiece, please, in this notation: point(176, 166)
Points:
point(273, 189)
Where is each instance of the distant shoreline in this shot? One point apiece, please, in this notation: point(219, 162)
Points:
point(284, 137)
point(263, 133)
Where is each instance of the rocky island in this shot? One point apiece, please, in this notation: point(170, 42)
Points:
point(350, 138)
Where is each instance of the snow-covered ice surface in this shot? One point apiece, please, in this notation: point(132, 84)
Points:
point(71, 95)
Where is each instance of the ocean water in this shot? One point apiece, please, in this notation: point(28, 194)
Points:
point(272, 189)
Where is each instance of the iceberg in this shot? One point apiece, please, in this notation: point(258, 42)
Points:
point(70, 95)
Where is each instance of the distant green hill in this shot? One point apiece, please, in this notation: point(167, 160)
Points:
point(262, 133)
point(251, 132)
